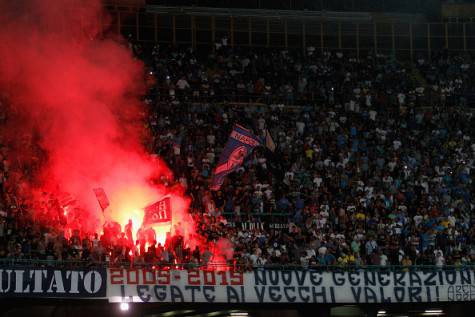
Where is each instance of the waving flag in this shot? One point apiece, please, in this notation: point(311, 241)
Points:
point(270, 144)
point(101, 197)
point(240, 144)
point(159, 212)
point(66, 200)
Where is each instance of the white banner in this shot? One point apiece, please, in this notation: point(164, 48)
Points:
point(49, 282)
point(288, 286)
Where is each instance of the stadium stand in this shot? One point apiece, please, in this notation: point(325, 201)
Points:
point(372, 167)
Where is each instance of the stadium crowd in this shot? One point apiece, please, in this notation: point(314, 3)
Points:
point(373, 167)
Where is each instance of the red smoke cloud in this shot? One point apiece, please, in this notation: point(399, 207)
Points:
point(77, 96)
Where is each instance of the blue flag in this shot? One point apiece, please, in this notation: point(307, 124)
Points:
point(240, 144)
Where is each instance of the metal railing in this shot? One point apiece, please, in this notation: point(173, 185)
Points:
point(428, 98)
point(403, 39)
point(406, 6)
point(34, 263)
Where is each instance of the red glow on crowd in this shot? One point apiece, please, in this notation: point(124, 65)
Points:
point(75, 95)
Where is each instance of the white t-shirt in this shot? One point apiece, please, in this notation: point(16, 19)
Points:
point(383, 260)
point(182, 84)
point(401, 98)
point(396, 144)
point(439, 260)
point(372, 115)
